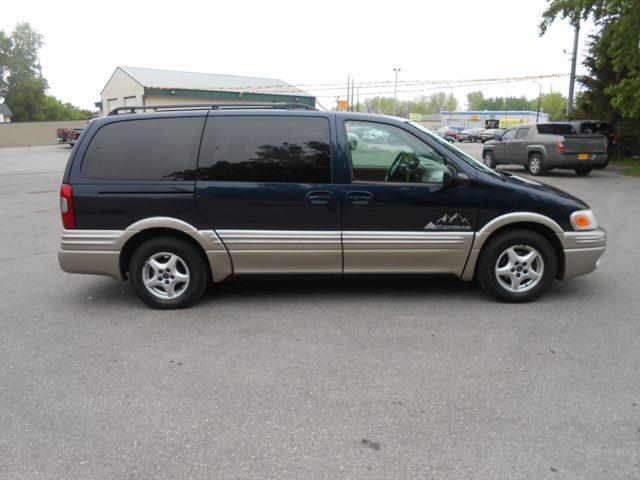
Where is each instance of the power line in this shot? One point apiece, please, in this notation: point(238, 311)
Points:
point(287, 88)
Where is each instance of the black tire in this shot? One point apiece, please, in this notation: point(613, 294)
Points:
point(494, 250)
point(489, 159)
point(535, 165)
point(190, 258)
point(583, 170)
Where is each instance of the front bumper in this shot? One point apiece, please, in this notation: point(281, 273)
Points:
point(582, 250)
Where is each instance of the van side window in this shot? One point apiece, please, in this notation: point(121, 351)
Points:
point(385, 153)
point(274, 149)
point(522, 133)
point(145, 149)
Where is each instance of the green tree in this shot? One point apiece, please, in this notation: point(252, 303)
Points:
point(553, 104)
point(54, 109)
point(475, 100)
point(5, 55)
point(434, 103)
point(595, 100)
point(617, 41)
point(26, 99)
point(380, 105)
point(25, 43)
point(22, 86)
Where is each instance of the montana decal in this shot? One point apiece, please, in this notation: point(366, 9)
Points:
point(453, 222)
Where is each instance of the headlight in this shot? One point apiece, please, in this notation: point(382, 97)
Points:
point(583, 220)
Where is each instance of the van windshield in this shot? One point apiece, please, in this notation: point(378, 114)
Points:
point(455, 150)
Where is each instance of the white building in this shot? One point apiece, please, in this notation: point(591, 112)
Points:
point(134, 86)
point(491, 119)
point(5, 113)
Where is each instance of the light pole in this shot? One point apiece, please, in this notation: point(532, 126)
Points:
point(395, 88)
point(539, 99)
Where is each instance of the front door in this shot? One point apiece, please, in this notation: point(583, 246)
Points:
point(397, 214)
point(516, 148)
point(265, 186)
point(503, 148)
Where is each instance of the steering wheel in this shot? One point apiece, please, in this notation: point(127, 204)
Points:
point(401, 158)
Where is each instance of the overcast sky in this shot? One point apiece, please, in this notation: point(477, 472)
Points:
point(308, 42)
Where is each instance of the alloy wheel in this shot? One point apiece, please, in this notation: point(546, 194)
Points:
point(165, 275)
point(519, 268)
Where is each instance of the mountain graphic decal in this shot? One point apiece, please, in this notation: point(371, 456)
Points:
point(453, 222)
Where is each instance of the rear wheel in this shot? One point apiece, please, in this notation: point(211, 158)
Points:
point(517, 266)
point(167, 273)
point(536, 165)
point(489, 159)
point(583, 170)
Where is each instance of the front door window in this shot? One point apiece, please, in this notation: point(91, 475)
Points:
point(383, 153)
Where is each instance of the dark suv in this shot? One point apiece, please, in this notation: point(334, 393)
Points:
point(181, 197)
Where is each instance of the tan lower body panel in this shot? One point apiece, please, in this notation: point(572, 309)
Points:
point(281, 251)
point(405, 252)
point(97, 252)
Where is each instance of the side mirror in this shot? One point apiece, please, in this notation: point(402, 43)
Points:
point(450, 178)
point(352, 141)
point(447, 177)
point(498, 138)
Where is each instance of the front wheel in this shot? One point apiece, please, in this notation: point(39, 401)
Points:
point(167, 273)
point(583, 170)
point(517, 266)
point(489, 159)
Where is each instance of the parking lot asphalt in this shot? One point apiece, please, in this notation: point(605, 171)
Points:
point(372, 378)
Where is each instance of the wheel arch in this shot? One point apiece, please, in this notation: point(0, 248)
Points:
point(213, 252)
point(132, 244)
point(536, 149)
point(540, 224)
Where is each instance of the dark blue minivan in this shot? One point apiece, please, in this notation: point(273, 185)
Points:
point(179, 197)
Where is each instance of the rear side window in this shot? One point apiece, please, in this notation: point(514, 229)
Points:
point(146, 149)
point(556, 129)
point(522, 133)
point(266, 149)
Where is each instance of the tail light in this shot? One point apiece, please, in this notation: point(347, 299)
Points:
point(66, 206)
point(75, 135)
point(560, 147)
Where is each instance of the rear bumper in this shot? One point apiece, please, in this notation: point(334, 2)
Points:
point(582, 251)
point(570, 160)
point(94, 252)
point(90, 262)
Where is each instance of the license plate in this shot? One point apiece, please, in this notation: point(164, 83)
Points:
point(583, 156)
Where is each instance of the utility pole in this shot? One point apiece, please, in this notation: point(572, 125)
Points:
point(358, 99)
point(539, 99)
point(574, 58)
point(353, 93)
point(348, 87)
point(395, 88)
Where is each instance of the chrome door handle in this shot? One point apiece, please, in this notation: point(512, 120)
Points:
point(360, 197)
point(319, 197)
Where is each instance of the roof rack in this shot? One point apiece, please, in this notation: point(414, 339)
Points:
point(213, 106)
